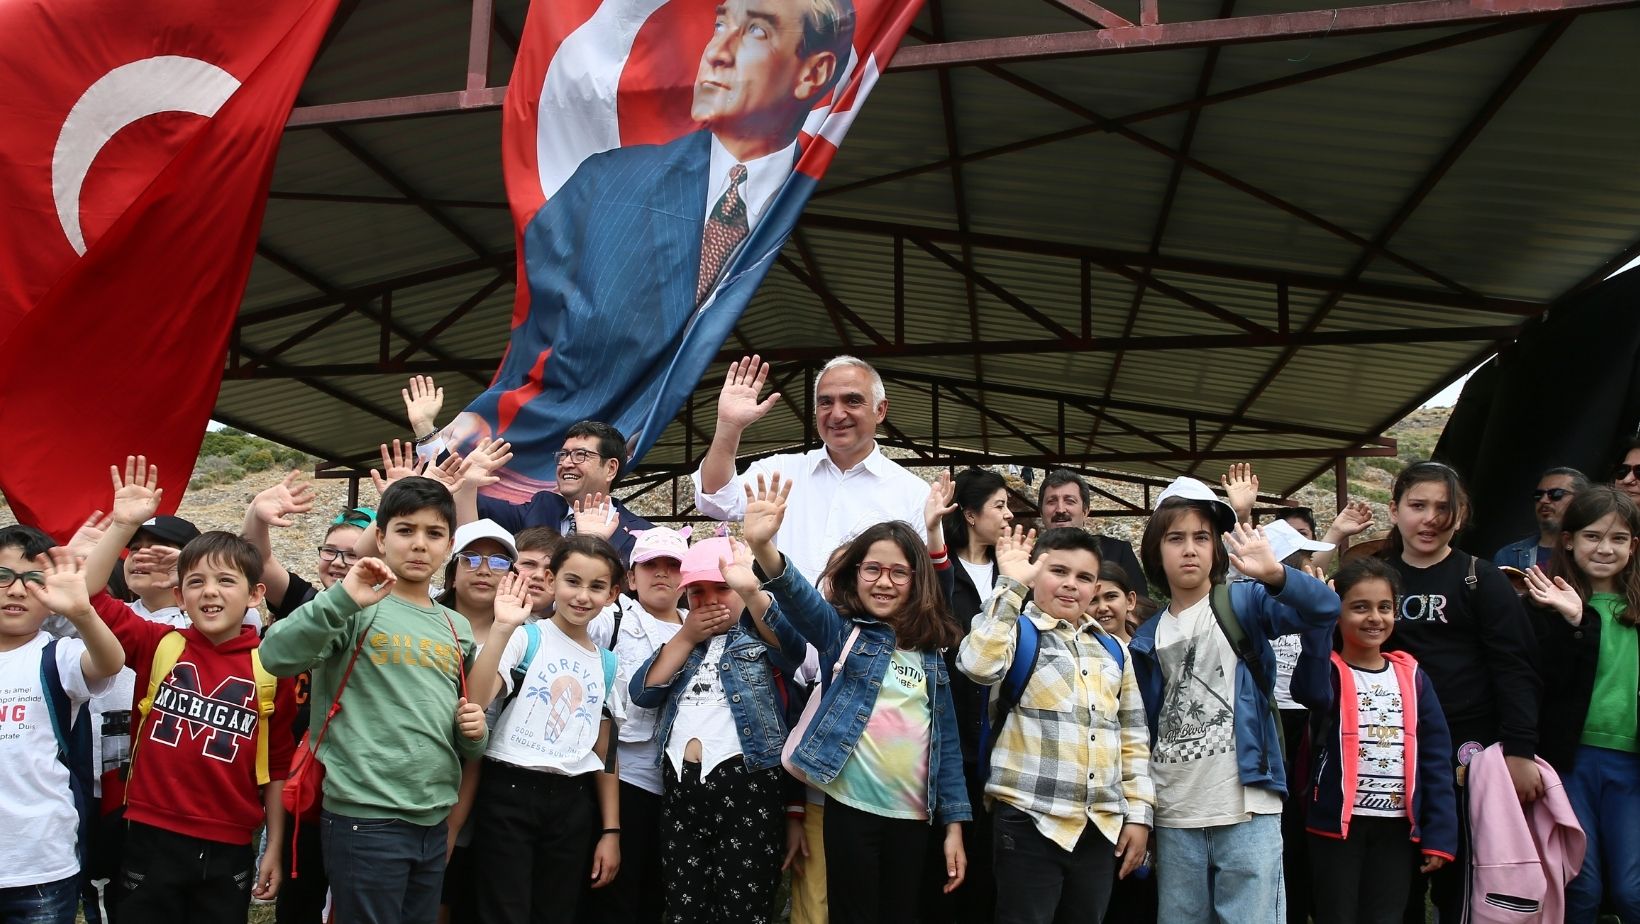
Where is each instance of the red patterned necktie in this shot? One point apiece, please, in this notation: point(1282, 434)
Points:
point(726, 227)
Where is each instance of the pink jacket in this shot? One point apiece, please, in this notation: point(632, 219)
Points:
point(1522, 855)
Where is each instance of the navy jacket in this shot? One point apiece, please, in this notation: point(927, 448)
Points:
point(1303, 604)
point(548, 508)
point(1431, 798)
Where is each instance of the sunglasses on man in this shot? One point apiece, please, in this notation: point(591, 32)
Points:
point(1556, 495)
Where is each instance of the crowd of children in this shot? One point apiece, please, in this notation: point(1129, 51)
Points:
point(460, 724)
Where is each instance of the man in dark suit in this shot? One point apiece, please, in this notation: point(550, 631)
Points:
point(588, 464)
point(627, 259)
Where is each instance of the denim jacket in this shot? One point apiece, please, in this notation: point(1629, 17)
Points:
point(846, 705)
point(748, 682)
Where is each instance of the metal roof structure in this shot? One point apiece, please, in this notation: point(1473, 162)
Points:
point(1147, 237)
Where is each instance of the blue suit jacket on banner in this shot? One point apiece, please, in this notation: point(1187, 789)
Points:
point(612, 260)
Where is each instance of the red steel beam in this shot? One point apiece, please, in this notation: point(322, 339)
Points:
point(1204, 80)
point(1092, 13)
point(1107, 257)
point(363, 293)
point(478, 45)
point(457, 313)
point(812, 267)
point(1437, 171)
point(957, 348)
point(354, 199)
point(396, 107)
point(1410, 14)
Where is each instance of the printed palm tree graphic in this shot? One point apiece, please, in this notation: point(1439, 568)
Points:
point(536, 693)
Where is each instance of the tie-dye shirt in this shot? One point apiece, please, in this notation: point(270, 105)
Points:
point(888, 773)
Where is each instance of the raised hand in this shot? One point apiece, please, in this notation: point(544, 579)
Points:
point(737, 571)
point(1013, 551)
point(513, 601)
point(704, 622)
point(400, 462)
point(738, 407)
point(369, 582)
point(1554, 593)
point(422, 402)
point(765, 510)
point(478, 470)
point(1251, 554)
point(137, 494)
point(448, 472)
point(160, 561)
point(63, 590)
point(89, 534)
point(1355, 518)
point(595, 515)
point(1241, 489)
point(940, 501)
point(276, 504)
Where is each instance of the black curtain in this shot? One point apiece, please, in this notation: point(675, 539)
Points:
point(1567, 392)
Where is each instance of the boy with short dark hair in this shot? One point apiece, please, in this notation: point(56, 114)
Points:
point(393, 753)
point(1069, 774)
point(211, 739)
point(39, 864)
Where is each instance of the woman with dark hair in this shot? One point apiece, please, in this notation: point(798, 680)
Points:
point(1586, 617)
point(1460, 618)
point(484, 554)
point(882, 744)
point(971, 531)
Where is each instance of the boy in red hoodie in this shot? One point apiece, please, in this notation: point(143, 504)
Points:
point(211, 751)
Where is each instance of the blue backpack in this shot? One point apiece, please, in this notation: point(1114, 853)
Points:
point(1027, 647)
point(71, 727)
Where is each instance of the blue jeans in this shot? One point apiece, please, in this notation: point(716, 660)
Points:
point(383, 870)
point(1227, 873)
point(48, 903)
point(1604, 789)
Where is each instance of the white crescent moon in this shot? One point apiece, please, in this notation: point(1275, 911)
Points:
point(166, 83)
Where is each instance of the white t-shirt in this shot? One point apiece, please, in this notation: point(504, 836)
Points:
point(641, 636)
point(37, 810)
point(983, 578)
point(1287, 649)
point(1380, 783)
point(552, 724)
point(703, 712)
point(1193, 763)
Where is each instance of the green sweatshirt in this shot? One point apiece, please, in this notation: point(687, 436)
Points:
point(393, 750)
point(1611, 719)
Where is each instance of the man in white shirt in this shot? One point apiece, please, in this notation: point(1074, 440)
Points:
point(838, 489)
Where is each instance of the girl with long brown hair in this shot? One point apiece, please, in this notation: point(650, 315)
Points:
point(882, 744)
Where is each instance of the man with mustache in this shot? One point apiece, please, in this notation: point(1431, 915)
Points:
point(1555, 490)
point(1064, 500)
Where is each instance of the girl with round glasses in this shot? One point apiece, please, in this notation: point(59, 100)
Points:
point(882, 744)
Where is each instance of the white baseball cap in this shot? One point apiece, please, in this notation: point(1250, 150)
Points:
point(1285, 540)
point(1190, 489)
point(469, 533)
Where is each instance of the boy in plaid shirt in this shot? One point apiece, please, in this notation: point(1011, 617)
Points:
point(1069, 778)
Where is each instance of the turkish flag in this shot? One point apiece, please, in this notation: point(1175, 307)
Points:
point(138, 146)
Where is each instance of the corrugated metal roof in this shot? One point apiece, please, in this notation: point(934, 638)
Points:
point(1544, 194)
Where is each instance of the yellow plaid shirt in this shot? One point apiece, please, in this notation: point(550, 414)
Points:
point(1076, 749)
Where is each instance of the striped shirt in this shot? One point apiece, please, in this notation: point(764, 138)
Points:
point(1076, 749)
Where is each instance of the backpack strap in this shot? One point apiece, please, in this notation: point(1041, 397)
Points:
point(532, 644)
point(1224, 613)
point(72, 728)
point(611, 665)
point(58, 706)
point(267, 691)
point(1113, 646)
point(1027, 649)
point(166, 655)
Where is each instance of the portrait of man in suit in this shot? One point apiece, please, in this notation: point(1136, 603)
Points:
point(626, 259)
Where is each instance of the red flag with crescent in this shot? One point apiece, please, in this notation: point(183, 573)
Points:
point(138, 148)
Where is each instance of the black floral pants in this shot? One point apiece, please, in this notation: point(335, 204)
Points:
point(722, 842)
